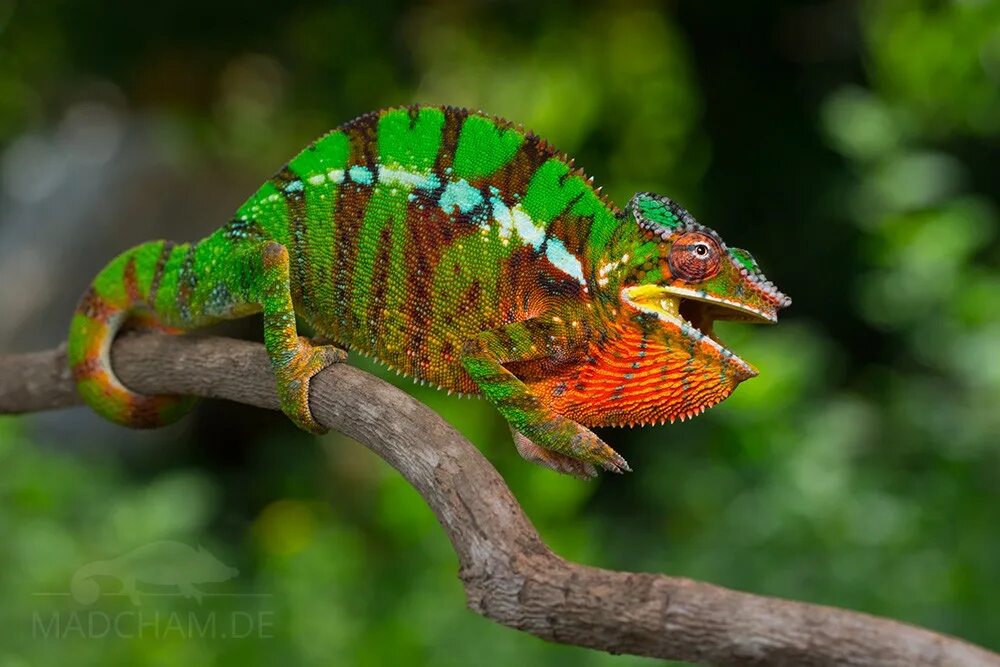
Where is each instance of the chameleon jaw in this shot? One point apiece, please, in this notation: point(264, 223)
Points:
point(666, 306)
point(694, 313)
point(721, 308)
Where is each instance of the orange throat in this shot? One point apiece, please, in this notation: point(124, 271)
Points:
point(642, 377)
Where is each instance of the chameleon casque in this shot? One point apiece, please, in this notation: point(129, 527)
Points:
point(463, 251)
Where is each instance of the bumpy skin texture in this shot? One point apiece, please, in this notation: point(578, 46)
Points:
point(462, 251)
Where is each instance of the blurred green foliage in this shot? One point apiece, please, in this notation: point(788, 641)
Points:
point(851, 146)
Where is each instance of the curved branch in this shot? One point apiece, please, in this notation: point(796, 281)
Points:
point(509, 574)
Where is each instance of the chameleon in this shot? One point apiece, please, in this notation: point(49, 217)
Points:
point(460, 250)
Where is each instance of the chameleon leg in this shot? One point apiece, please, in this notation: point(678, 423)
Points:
point(294, 359)
point(258, 279)
point(484, 358)
point(558, 462)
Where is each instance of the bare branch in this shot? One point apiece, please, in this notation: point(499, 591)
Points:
point(510, 575)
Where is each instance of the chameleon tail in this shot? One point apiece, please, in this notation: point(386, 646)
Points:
point(122, 294)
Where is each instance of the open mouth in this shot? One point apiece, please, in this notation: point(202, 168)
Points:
point(694, 310)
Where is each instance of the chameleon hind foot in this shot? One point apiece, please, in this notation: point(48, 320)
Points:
point(294, 376)
point(567, 465)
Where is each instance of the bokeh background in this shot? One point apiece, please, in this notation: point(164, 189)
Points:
point(852, 146)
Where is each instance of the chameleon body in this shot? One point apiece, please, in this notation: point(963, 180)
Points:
point(460, 250)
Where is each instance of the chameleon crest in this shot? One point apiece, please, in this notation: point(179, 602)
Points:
point(462, 251)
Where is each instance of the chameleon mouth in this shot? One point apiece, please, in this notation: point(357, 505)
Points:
point(704, 305)
point(695, 313)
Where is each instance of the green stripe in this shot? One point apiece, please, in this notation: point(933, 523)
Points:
point(409, 142)
point(187, 284)
point(483, 148)
point(166, 296)
point(326, 154)
point(601, 230)
point(395, 323)
point(550, 191)
point(320, 250)
point(386, 204)
point(313, 166)
point(601, 222)
point(78, 344)
point(146, 259)
point(154, 286)
point(267, 207)
point(110, 282)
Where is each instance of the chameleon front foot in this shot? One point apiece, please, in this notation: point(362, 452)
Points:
point(566, 437)
point(594, 450)
point(567, 465)
point(295, 375)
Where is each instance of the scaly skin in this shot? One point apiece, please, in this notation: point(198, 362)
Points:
point(462, 251)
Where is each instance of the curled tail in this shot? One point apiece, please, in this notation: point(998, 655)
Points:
point(124, 294)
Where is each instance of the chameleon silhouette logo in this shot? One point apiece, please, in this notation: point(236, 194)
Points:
point(159, 564)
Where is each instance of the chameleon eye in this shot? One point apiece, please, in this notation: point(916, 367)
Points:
point(694, 257)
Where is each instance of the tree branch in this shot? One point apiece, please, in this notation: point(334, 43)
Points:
point(509, 574)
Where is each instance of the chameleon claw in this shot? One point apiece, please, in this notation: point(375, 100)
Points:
point(294, 379)
point(586, 446)
point(616, 465)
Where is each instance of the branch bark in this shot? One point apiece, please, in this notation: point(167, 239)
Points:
point(509, 574)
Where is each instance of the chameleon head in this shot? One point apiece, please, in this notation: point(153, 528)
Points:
point(688, 278)
point(659, 358)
